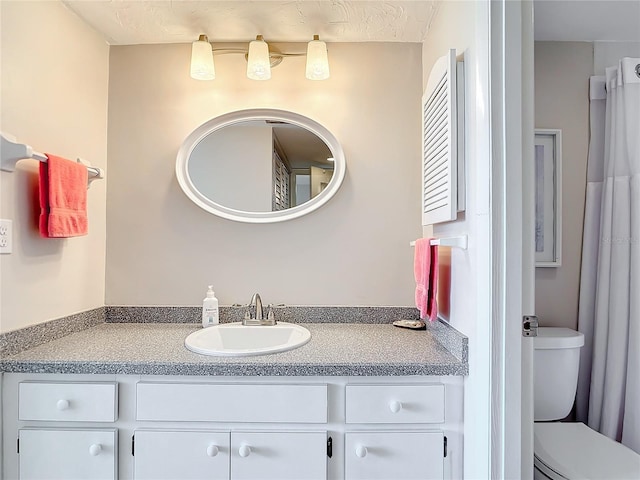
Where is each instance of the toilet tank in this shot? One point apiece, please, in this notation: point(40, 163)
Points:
point(555, 378)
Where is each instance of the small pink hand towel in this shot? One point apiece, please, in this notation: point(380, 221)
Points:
point(63, 198)
point(425, 271)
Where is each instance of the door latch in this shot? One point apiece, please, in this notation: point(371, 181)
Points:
point(529, 326)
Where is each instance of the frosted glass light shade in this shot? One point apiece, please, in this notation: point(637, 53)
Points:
point(202, 67)
point(258, 62)
point(317, 61)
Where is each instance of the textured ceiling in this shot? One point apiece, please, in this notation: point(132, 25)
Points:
point(126, 22)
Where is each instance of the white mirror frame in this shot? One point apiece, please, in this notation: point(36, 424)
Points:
point(217, 123)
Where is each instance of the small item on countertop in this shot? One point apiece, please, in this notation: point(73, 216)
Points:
point(412, 324)
point(210, 313)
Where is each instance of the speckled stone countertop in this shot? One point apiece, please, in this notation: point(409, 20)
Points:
point(158, 349)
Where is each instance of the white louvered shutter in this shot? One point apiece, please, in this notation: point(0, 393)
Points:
point(280, 199)
point(439, 136)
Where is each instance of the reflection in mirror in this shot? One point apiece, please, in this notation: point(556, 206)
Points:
point(260, 166)
point(271, 165)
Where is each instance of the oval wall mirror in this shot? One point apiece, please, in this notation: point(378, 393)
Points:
point(260, 165)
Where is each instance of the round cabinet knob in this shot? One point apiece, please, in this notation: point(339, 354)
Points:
point(361, 451)
point(212, 450)
point(95, 449)
point(395, 406)
point(62, 404)
point(244, 451)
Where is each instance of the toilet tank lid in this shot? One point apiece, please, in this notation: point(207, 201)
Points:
point(557, 337)
point(573, 450)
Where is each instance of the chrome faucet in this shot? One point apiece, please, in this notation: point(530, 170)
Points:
point(259, 318)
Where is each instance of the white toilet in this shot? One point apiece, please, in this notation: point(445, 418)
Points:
point(569, 450)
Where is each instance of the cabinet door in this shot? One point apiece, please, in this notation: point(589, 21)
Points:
point(69, 454)
point(394, 455)
point(184, 455)
point(279, 455)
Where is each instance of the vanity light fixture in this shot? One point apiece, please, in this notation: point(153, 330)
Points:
point(202, 67)
point(260, 59)
point(317, 61)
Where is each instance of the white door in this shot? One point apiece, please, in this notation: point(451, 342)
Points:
point(187, 455)
point(279, 455)
point(512, 175)
point(320, 178)
point(528, 250)
point(69, 454)
point(394, 455)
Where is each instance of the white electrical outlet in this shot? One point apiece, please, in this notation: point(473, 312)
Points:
point(6, 236)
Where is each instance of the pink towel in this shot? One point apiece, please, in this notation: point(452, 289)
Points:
point(63, 198)
point(425, 270)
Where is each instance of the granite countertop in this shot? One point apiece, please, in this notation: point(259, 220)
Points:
point(158, 349)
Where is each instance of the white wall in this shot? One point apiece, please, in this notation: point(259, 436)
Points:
point(54, 98)
point(562, 71)
point(607, 54)
point(233, 166)
point(466, 283)
point(163, 250)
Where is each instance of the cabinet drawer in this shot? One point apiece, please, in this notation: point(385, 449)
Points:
point(70, 454)
point(199, 402)
point(68, 402)
point(395, 403)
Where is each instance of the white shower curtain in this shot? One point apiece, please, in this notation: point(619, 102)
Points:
point(609, 313)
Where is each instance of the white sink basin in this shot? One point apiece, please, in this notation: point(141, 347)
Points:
point(236, 340)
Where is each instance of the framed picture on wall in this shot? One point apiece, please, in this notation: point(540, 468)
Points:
point(548, 197)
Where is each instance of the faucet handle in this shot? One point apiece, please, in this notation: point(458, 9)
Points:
point(270, 315)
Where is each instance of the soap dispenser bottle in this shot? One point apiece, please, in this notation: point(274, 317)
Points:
point(210, 314)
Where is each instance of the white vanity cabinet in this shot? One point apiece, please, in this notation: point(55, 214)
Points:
point(239, 455)
point(265, 454)
point(395, 454)
point(133, 427)
point(185, 455)
point(51, 446)
point(279, 455)
point(70, 454)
